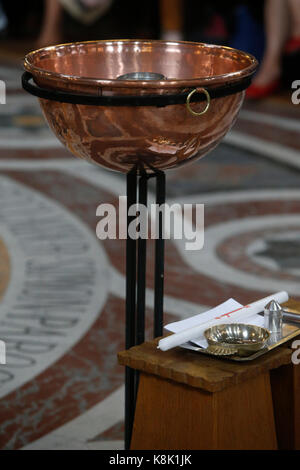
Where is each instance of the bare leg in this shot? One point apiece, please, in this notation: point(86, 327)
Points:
point(171, 18)
point(295, 17)
point(51, 28)
point(276, 26)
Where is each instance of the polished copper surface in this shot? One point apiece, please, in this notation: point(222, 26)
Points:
point(120, 137)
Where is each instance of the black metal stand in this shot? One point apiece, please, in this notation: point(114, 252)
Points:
point(136, 284)
point(137, 183)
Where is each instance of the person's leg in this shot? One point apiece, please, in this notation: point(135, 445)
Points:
point(276, 28)
point(295, 17)
point(171, 19)
point(51, 28)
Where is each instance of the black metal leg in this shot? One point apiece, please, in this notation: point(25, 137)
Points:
point(141, 266)
point(130, 310)
point(159, 259)
point(136, 286)
point(141, 278)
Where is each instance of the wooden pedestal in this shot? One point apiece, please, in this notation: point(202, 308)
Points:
point(170, 415)
point(191, 401)
point(285, 383)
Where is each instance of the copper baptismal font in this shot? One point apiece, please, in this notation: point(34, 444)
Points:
point(139, 107)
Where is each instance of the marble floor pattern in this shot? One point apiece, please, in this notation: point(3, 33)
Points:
point(62, 290)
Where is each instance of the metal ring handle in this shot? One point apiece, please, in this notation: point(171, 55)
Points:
point(188, 101)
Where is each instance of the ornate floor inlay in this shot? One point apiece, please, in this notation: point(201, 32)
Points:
point(62, 290)
point(4, 269)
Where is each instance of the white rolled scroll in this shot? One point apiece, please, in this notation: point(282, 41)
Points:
point(239, 315)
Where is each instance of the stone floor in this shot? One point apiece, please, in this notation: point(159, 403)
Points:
point(62, 290)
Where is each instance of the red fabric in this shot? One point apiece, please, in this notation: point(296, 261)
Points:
point(292, 45)
point(256, 92)
point(217, 28)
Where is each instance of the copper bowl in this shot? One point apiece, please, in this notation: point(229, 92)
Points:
point(119, 137)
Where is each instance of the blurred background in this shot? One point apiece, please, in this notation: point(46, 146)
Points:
point(62, 290)
point(269, 29)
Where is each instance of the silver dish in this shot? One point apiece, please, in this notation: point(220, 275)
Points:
point(221, 350)
point(240, 338)
point(290, 330)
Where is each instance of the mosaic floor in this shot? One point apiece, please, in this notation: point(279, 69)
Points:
point(62, 290)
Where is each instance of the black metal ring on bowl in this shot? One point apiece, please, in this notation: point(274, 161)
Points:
point(131, 100)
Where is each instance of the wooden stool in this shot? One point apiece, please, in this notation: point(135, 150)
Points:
point(190, 401)
point(285, 383)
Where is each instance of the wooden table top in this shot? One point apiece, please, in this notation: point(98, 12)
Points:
point(197, 370)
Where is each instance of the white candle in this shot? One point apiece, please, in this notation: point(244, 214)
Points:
point(239, 315)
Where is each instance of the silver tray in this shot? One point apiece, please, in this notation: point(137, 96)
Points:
point(289, 331)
